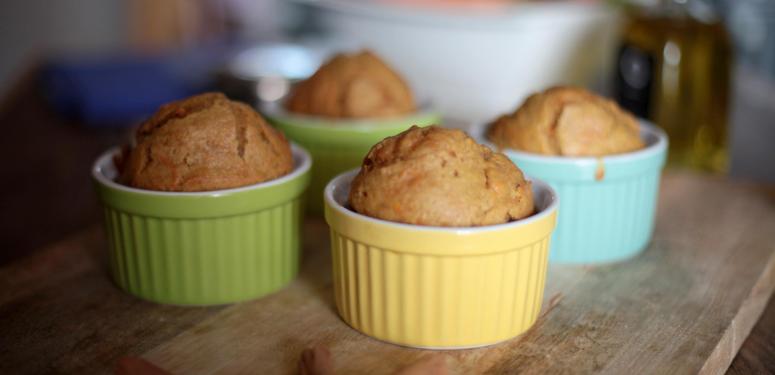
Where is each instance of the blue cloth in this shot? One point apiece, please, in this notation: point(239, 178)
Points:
point(117, 91)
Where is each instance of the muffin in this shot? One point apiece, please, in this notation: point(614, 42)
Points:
point(176, 230)
point(205, 142)
point(358, 85)
point(351, 103)
point(565, 121)
point(436, 287)
point(605, 164)
point(439, 177)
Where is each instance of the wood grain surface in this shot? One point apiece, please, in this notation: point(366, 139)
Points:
point(59, 313)
point(683, 306)
point(757, 355)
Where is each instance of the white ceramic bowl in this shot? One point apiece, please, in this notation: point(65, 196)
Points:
point(475, 62)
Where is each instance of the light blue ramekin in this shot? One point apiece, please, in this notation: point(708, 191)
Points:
point(608, 203)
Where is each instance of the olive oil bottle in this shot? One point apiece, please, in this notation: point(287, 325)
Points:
point(674, 68)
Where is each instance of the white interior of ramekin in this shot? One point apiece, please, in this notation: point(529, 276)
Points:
point(653, 137)
point(338, 190)
point(278, 111)
point(104, 171)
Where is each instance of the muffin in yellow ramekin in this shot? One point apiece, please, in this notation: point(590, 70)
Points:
point(438, 287)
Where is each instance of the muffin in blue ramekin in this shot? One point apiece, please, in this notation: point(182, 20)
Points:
point(608, 201)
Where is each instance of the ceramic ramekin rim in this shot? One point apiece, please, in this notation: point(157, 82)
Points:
point(277, 112)
point(646, 128)
point(300, 155)
point(340, 208)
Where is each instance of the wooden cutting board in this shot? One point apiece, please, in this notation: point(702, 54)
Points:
point(684, 306)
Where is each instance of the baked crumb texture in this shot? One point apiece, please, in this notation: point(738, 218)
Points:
point(206, 142)
point(358, 85)
point(566, 121)
point(439, 177)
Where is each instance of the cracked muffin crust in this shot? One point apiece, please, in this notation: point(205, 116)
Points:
point(359, 85)
point(439, 177)
point(205, 142)
point(567, 121)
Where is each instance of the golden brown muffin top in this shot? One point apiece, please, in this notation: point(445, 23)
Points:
point(359, 85)
point(205, 142)
point(439, 177)
point(567, 121)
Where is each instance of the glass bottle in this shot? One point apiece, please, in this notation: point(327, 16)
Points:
point(674, 68)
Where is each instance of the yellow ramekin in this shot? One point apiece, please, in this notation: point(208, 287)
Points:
point(438, 287)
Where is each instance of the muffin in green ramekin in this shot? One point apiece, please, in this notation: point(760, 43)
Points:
point(203, 248)
point(351, 102)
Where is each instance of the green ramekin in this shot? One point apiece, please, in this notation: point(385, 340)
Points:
point(608, 203)
point(338, 145)
point(203, 248)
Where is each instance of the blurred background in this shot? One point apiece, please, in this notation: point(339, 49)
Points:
point(76, 75)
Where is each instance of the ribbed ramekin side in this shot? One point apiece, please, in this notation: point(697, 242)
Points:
point(604, 221)
point(204, 261)
point(438, 301)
